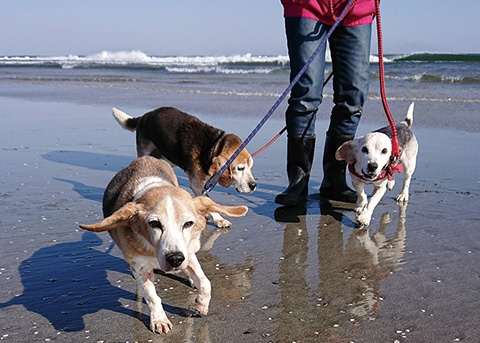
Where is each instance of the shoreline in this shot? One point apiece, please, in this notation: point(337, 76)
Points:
point(276, 277)
point(442, 110)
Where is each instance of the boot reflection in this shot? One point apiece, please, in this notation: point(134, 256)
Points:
point(290, 214)
point(295, 294)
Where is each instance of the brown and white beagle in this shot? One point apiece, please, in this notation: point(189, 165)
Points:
point(196, 147)
point(157, 225)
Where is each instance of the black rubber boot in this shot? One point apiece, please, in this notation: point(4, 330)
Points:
point(334, 185)
point(300, 151)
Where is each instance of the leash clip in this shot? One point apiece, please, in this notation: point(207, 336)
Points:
point(210, 184)
point(207, 188)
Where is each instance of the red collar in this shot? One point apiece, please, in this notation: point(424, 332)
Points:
point(388, 171)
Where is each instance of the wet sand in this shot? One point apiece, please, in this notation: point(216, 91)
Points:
point(277, 276)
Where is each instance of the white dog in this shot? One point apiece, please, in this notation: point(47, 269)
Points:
point(369, 157)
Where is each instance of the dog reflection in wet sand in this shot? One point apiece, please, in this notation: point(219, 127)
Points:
point(349, 275)
point(367, 258)
point(384, 253)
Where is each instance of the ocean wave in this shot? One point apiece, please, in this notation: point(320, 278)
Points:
point(432, 78)
point(138, 59)
point(435, 57)
point(220, 70)
point(399, 67)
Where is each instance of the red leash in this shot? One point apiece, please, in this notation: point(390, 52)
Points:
point(270, 142)
point(395, 147)
point(392, 166)
point(285, 128)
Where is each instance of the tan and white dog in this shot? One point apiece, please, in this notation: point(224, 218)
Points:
point(197, 148)
point(370, 155)
point(157, 225)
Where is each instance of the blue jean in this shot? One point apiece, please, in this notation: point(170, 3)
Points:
point(350, 51)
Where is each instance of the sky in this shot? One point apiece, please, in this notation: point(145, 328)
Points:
point(214, 27)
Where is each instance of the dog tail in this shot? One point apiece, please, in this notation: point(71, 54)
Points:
point(409, 117)
point(125, 121)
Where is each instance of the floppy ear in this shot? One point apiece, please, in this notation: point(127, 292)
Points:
point(205, 205)
point(120, 217)
point(226, 178)
point(346, 152)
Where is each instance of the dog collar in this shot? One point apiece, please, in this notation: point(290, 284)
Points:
point(388, 172)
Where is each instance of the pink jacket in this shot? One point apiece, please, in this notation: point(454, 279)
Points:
point(327, 11)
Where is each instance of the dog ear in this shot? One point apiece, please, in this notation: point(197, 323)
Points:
point(205, 205)
point(346, 152)
point(226, 178)
point(120, 217)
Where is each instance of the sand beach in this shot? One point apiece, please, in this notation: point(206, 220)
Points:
point(277, 275)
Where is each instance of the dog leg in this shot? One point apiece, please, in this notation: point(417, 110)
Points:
point(158, 319)
point(199, 280)
point(145, 147)
point(361, 196)
point(408, 170)
point(390, 184)
point(365, 215)
point(220, 221)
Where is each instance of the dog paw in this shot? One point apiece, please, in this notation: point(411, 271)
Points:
point(223, 223)
point(390, 184)
point(402, 197)
point(363, 218)
point(359, 209)
point(160, 325)
point(201, 306)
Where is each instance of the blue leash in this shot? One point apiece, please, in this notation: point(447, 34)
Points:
point(214, 179)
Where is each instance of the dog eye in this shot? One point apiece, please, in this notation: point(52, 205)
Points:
point(155, 224)
point(365, 150)
point(384, 151)
point(188, 224)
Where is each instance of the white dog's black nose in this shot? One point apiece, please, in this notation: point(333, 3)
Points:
point(252, 185)
point(372, 166)
point(175, 259)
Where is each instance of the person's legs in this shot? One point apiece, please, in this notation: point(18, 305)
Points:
point(303, 37)
point(350, 49)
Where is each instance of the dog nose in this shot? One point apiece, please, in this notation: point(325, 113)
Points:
point(372, 166)
point(175, 259)
point(252, 185)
